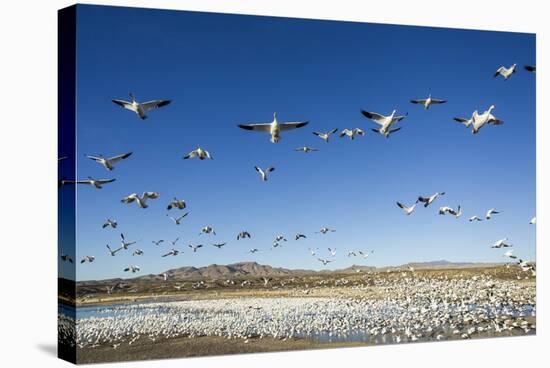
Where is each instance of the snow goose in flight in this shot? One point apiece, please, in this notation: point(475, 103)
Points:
point(490, 213)
point(243, 234)
point(263, 173)
point(306, 149)
point(141, 108)
point(313, 251)
point(466, 122)
point(280, 238)
point(200, 153)
point(88, 259)
point(177, 220)
point(407, 209)
point(480, 120)
point(113, 252)
point(137, 252)
point(501, 244)
point(530, 68)
point(97, 183)
point(325, 230)
point(173, 242)
point(365, 254)
point(325, 135)
point(132, 269)
point(176, 203)
point(505, 72)
point(533, 221)
point(299, 236)
point(124, 244)
point(351, 133)
point(449, 210)
point(385, 122)
point(429, 200)
point(332, 251)
point(110, 223)
point(324, 261)
point(141, 201)
point(109, 162)
point(274, 128)
point(172, 252)
point(427, 102)
point(475, 218)
point(352, 253)
point(195, 247)
point(219, 245)
point(157, 242)
point(207, 230)
point(253, 250)
point(66, 258)
point(510, 254)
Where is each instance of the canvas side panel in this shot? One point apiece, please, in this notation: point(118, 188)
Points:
point(66, 188)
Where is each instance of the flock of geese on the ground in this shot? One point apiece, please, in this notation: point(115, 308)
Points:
point(386, 127)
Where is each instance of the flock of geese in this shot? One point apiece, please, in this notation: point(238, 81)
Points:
point(386, 126)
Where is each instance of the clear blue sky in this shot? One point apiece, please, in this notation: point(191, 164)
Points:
point(222, 70)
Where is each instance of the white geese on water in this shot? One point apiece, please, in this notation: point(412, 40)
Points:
point(385, 122)
point(505, 72)
point(202, 154)
point(263, 173)
point(109, 162)
point(141, 108)
point(141, 201)
point(427, 102)
point(274, 128)
point(97, 183)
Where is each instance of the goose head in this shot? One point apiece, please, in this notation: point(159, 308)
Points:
point(274, 117)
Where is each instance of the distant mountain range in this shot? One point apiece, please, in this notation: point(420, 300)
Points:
point(254, 269)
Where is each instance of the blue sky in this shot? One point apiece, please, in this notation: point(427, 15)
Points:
point(223, 70)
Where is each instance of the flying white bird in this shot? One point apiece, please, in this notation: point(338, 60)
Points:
point(219, 245)
point(243, 234)
point(108, 162)
point(351, 133)
point(429, 200)
point(111, 223)
point(490, 213)
point(407, 209)
point(510, 254)
point(172, 252)
point(385, 122)
point(324, 261)
point(427, 102)
point(141, 108)
point(263, 173)
point(157, 242)
point(141, 201)
point(332, 252)
point(177, 220)
point(173, 242)
point(97, 183)
point(124, 243)
point(325, 230)
point(449, 210)
point(352, 253)
point(533, 221)
point(475, 218)
point(132, 269)
point(279, 238)
point(88, 259)
point(365, 254)
point(480, 120)
point(501, 244)
point(325, 135)
point(505, 72)
point(306, 149)
point(195, 247)
point(207, 230)
point(66, 258)
point(274, 128)
point(313, 251)
point(200, 153)
point(176, 203)
point(113, 252)
point(253, 250)
point(137, 252)
point(299, 236)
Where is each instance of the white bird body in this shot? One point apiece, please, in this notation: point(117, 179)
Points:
point(243, 234)
point(207, 230)
point(325, 230)
point(502, 243)
point(274, 128)
point(480, 120)
point(132, 269)
point(88, 259)
point(141, 201)
point(407, 209)
point(263, 173)
point(177, 220)
point(505, 72)
point(475, 218)
point(111, 223)
point(429, 200)
point(449, 210)
point(195, 247)
point(305, 149)
point(427, 102)
point(351, 133)
point(385, 122)
point(325, 135)
point(109, 162)
point(200, 153)
point(490, 213)
point(172, 252)
point(97, 183)
point(324, 261)
point(141, 108)
point(176, 203)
